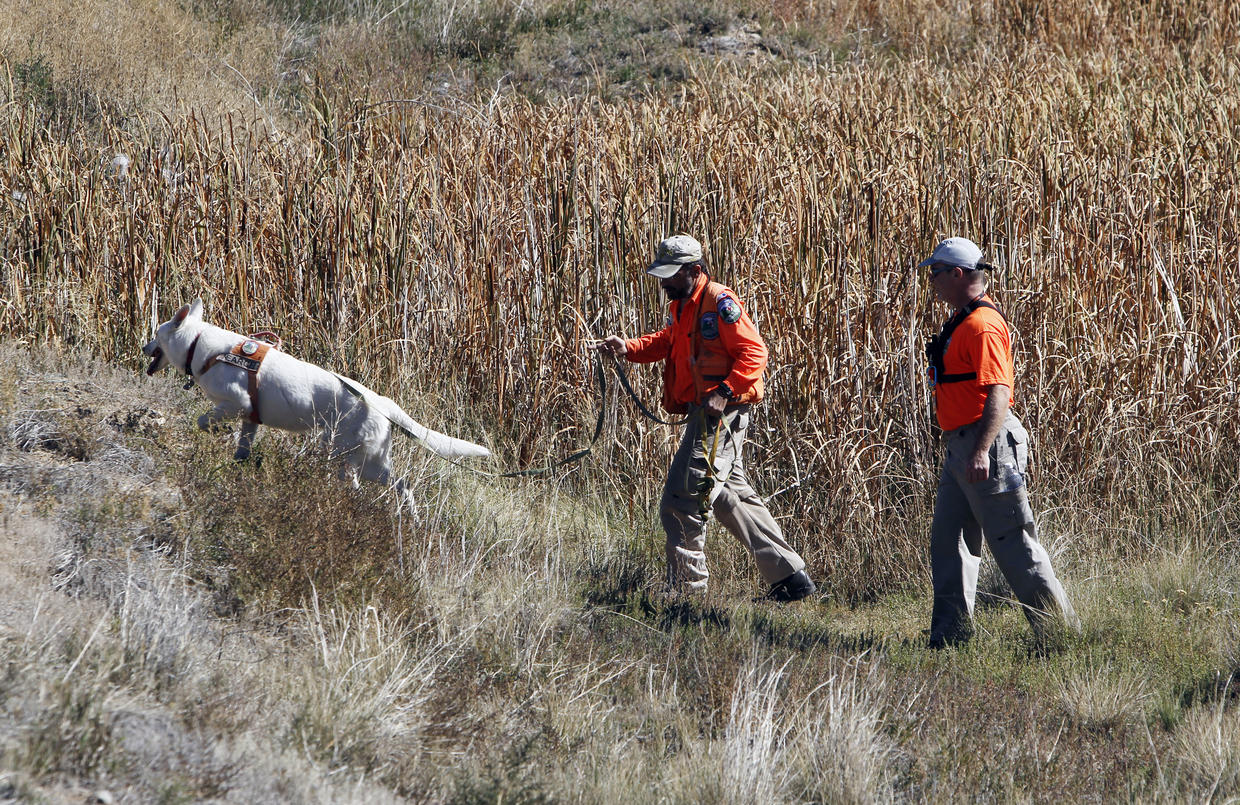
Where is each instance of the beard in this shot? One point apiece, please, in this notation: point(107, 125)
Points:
point(674, 294)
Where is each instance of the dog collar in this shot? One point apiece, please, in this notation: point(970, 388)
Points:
point(189, 358)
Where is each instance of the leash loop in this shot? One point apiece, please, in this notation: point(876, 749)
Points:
point(641, 406)
point(601, 379)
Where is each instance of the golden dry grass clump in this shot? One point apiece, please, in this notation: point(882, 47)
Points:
point(136, 57)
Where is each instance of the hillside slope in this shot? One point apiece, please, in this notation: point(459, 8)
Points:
point(176, 628)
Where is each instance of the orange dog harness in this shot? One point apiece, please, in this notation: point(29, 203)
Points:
point(247, 355)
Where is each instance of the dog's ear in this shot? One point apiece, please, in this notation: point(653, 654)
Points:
point(184, 313)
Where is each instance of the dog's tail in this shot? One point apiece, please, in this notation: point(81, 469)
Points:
point(439, 443)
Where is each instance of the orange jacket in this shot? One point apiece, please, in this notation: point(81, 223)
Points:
point(708, 340)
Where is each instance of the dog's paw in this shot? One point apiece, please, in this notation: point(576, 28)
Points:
point(211, 424)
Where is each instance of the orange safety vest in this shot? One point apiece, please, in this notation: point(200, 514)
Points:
point(707, 344)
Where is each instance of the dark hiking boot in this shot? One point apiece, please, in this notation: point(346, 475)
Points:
point(793, 588)
point(938, 642)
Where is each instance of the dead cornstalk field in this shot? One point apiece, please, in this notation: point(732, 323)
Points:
point(458, 256)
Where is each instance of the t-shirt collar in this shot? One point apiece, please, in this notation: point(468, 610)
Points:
point(697, 289)
point(983, 297)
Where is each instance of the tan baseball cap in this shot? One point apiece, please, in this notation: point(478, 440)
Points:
point(674, 253)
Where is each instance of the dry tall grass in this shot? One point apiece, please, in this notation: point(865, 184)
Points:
point(129, 58)
point(512, 647)
point(457, 252)
point(461, 253)
point(1206, 747)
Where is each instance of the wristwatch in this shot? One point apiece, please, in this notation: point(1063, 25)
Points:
point(726, 391)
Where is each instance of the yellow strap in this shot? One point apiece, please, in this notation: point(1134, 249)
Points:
point(709, 485)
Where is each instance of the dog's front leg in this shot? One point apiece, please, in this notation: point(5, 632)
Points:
point(407, 498)
point(214, 417)
point(348, 473)
point(246, 440)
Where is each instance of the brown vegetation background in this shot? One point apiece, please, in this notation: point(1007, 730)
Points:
point(458, 253)
point(447, 199)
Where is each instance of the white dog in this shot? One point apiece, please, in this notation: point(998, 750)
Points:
point(247, 378)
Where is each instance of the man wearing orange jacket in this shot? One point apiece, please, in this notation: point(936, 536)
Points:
point(982, 489)
point(713, 364)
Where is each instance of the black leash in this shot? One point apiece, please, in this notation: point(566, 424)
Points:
point(624, 381)
point(600, 378)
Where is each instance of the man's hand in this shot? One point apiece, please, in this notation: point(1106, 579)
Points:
point(993, 413)
point(979, 466)
point(612, 344)
point(715, 403)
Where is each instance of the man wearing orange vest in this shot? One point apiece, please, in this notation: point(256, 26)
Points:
point(982, 484)
point(712, 372)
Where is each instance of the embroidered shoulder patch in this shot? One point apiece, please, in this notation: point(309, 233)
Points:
point(729, 311)
point(710, 326)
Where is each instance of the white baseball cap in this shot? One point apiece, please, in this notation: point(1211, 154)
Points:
point(673, 254)
point(960, 252)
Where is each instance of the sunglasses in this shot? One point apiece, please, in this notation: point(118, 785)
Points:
point(939, 268)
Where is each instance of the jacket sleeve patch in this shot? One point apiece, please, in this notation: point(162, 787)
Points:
point(729, 311)
point(710, 326)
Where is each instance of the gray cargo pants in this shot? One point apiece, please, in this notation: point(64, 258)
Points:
point(731, 498)
point(997, 508)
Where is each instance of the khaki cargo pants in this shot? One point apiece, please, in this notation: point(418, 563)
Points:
point(997, 508)
point(689, 496)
